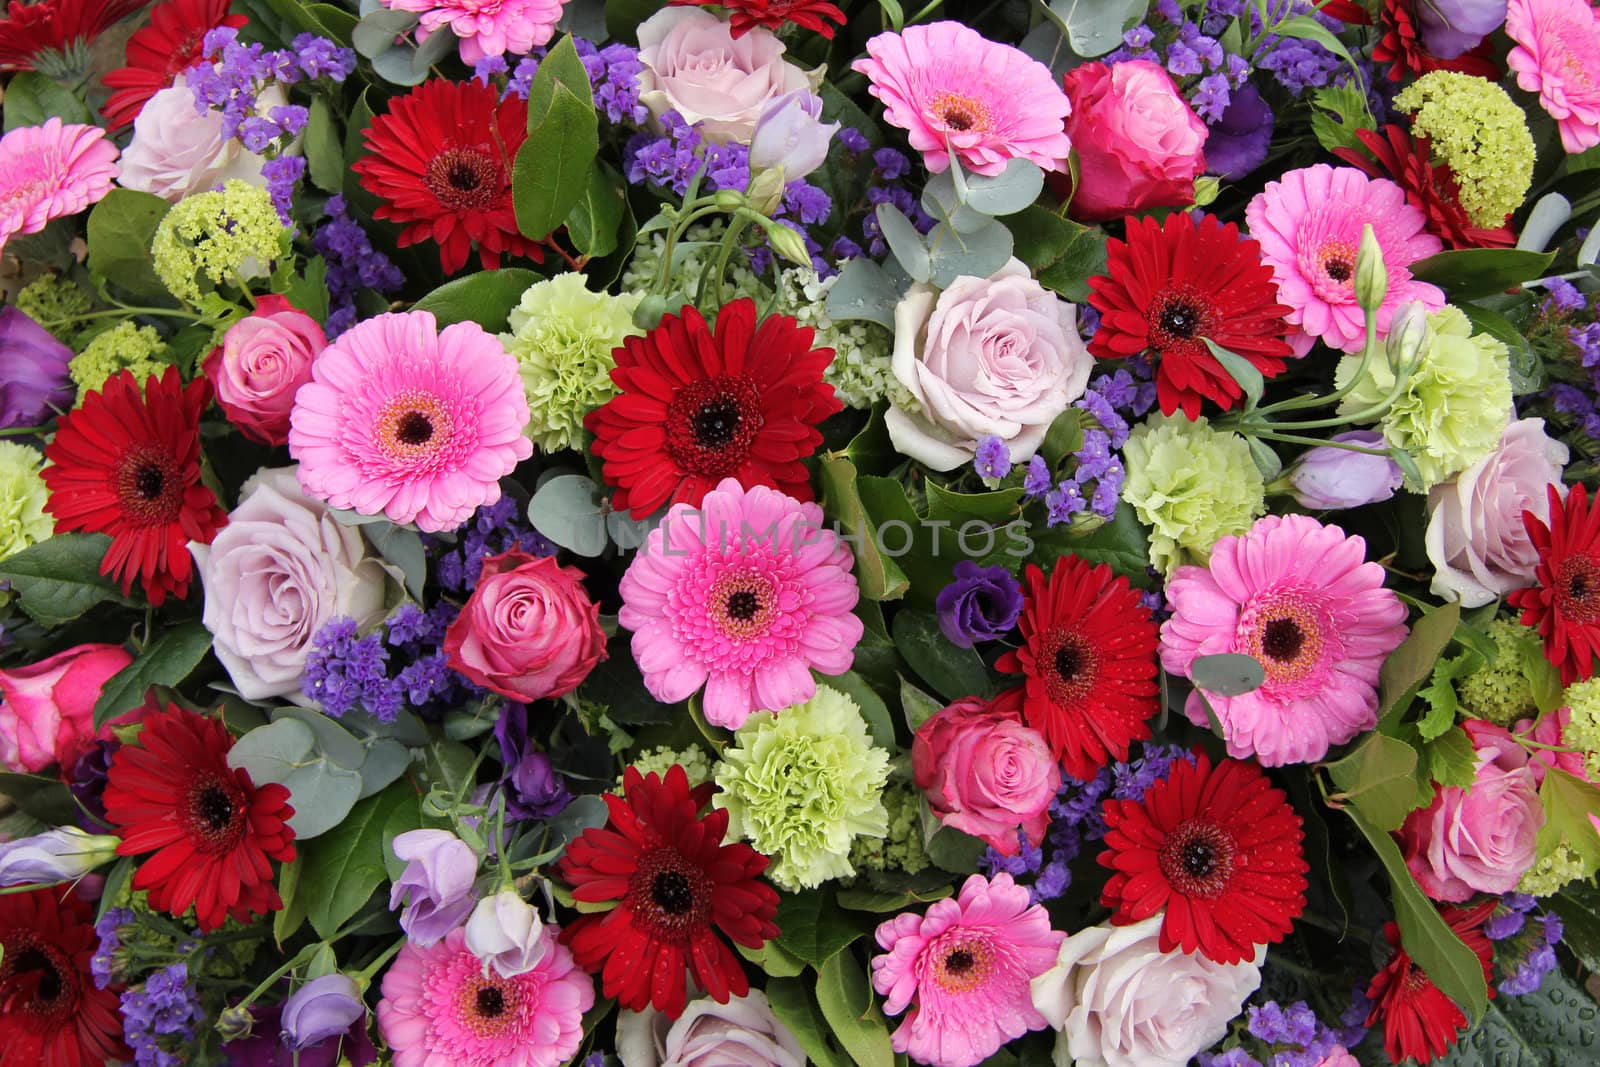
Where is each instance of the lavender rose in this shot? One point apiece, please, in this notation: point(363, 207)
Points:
point(1476, 540)
point(1477, 840)
point(740, 1033)
point(280, 569)
point(997, 356)
point(694, 66)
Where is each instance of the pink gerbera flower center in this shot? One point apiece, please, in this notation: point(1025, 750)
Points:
point(743, 603)
point(487, 1007)
point(414, 426)
point(960, 112)
point(961, 964)
point(1338, 259)
point(1285, 631)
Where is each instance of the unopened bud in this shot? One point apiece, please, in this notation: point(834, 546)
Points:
point(1372, 277)
point(648, 314)
point(58, 855)
point(766, 190)
point(1409, 335)
point(1206, 188)
point(729, 199)
point(787, 243)
point(235, 1024)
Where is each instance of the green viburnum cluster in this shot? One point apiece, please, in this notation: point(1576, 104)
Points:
point(23, 520)
point(694, 761)
point(1499, 690)
point(54, 302)
point(227, 236)
point(802, 784)
point(1583, 729)
point(1191, 484)
point(1474, 126)
point(562, 334)
point(1451, 411)
point(125, 346)
point(902, 848)
point(1549, 873)
point(862, 371)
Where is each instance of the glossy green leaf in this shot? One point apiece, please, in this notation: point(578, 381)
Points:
point(1412, 663)
point(1468, 273)
point(1380, 778)
point(121, 227)
point(59, 578)
point(812, 927)
point(854, 1017)
point(874, 712)
point(343, 868)
point(485, 298)
point(169, 660)
point(952, 672)
point(551, 171)
point(880, 577)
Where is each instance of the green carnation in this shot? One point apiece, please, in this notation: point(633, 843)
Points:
point(1190, 484)
point(23, 520)
point(1499, 690)
point(125, 346)
point(1452, 410)
point(802, 784)
point(1474, 126)
point(226, 236)
point(562, 335)
point(54, 303)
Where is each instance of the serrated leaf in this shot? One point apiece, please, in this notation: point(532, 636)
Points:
point(1440, 694)
point(1568, 802)
point(168, 661)
point(1379, 777)
point(59, 578)
point(1064, 254)
point(1450, 759)
point(1412, 663)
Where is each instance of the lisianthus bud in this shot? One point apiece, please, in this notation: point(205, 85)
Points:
point(787, 243)
point(322, 1008)
point(790, 135)
point(1327, 477)
point(1372, 277)
point(58, 855)
point(506, 933)
point(1409, 335)
point(235, 1023)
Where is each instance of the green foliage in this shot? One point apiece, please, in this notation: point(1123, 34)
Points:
point(121, 227)
point(853, 1016)
point(170, 659)
point(952, 672)
point(1469, 273)
point(59, 579)
point(813, 927)
point(1338, 111)
point(551, 173)
point(32, 98)
point(1064, 254)
point(1379, 778)
point(485, 298)
point(343, 868)
point(1413, 662)
point(1553, 1026)
point(1440, 694)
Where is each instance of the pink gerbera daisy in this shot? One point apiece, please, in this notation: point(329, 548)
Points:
point(51, 171)
point(1298, 597)
point(1309, 225)
point(743, 595)
point(993, 102)
point(487, 27)
point(442, 1005)
point(1558, 56)
point(967, 965)
point(404, 420)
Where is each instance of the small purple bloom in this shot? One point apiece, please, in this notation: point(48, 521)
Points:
point(533, 789)
point(1451, 27)
point(323, 1008)
point(33, 372)
point(853, 140)
point(1238, 143)
point(1038, 481)
point(993, 459)
point(981, 604)
point(436, 885)
point(1327, 477)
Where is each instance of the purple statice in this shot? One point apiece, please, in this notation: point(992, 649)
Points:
point(1036, 484)
point(993, 458)
point(1292, 1035)
point(426, 682)
point(493, 529)
point(887, 185)
point(853, 140)
point(283, 174)
point(159, 1016)
point(319, 57)
point(1563, 296)
point(485, 69)
point(1296, 64)
point(1063, 502)
point(353, 264)
point(671, 159)
point(1586, 339)
point(345, 670)
point(614, 77)
point(1131, 780)
point(103, 964)
point(1509, 916)
point(1538, 958)
point(1234, 1057)
point(521, 83)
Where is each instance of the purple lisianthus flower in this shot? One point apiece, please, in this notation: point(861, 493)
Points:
point(532, 787)
point(266, 1047)
point(1451, 27)
point(1327, 477)
point(436, 886)
point(980, 605)
point(33, 372)
point(322, 1009)
point(1238, 144)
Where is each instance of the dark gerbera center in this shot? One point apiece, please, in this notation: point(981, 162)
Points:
point(1286, 633)
point(1338, 259)
point(960, 965)
point(1179, 316)
point(1282, 639)
point(670, 895)
point(1197, 859)
point(213, 812)
point(1071, 667)
point(711, 424)
point(743, 605)
point(670, 891)
point(960, 113)
point(743, 602)
point(491, 1002)
point(148, 484)
point(1577, 588)
point(466, 178)
point(36, 978)
point(958, 961)
point(413, 426)
point(486, 1007)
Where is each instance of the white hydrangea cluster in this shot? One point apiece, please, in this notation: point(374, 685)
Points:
point(862, 371)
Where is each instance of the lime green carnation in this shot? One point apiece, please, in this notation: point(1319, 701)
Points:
point(694, 761)
point(125, 346)
point(1190, 484)
point(226, 236)
point(562, 335)
point(23, 521)
point(901, 850)
point(1474, 126)
point(801, 785)
point(1451, 411)
point(1500, 690)
point(54, 303)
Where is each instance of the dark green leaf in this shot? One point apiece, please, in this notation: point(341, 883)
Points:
point(288, 920)
point(880, 576)
point(46, 799)
point(309, 291)
point(1578, 904)
point(917, 707)
point(560, 66)
point(772, 959)
point(874, 712)
point(59, 578)
point(120, 230)
point(993, 509)
point(853, 1016)
point(1064, 437)
point(343, 867)
point(794, 1006)
point(952, 672)
point(953, 850)
point(1553, 1026)
point(1380, 778)
point(812, 927)
point(1121, 543)
point(1064, 254)
point(324, 153)
point(1450, 759)
point(593, 223)
point(485, 298)
point(1412, 663)
point(551, 172)
point(1338, 111)
point(32, 98)
point(171, 659)
point(1468, 273)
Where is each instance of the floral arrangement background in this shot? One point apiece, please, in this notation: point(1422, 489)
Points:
point(991, 533)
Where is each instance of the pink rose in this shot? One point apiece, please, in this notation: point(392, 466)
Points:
point(1476, 540)
point(529, 630)
point(986, 773)
point(1548, 730)
point(1139, 144)
point(693, 65)
point(1477, 840)
point(262, 361)
point(47, 709)
point(178, 150)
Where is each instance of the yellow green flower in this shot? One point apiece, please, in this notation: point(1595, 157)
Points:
point(126, 346)
point(227, 236)
point(562, 335)
point(1191, 484)
point(801, 785)
point(901, 850)
point(51, 298)
point(694, 761)
point(1583, 729)
point(1499, 690)
point(1473, 125)
point(23, 520)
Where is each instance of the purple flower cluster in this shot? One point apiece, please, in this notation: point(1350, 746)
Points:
point(1525, 949)
point(1194, 57)
point(353, 264)
point(1297, 65)
point(347, 671)
point(993, 458)
point(613, 78)
point(87, 782)
point(1111, 401)
point(1294, 1034)
point(493, 529)
point(103, 964)
point(160, 1014)
point(887, 185)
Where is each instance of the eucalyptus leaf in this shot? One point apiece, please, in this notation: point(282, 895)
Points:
point(976, 255)
point(863, 290)
point(905, 242)
point(1228, 674)
point(1094, 27)
point(386, 759)
point(1013, 189)
point(570, 510)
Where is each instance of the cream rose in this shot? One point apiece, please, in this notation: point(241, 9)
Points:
point(694, 66)
point(740, 1033)
point(1119, 1001)
point(278, 571)
point(994, 356)
point(1476, 540)
point(177, 150)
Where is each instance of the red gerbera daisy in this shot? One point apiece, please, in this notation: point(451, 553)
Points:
point(440, 160)
point(1402, 49)
point(52, 36)
point(1170, 285)
point(1089, 654)
point(673, 880)
point(159, 52)
point(1565, 605)
point(774, 14)
point(696, 408)
point(129, 466)
point(211, 829)
point(51, 1014)
point(1419, 1021)
point(1429, 186)
point(1218, 849)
